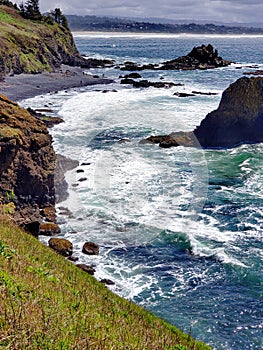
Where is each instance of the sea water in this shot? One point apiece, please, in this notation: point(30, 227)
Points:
point(180, 230)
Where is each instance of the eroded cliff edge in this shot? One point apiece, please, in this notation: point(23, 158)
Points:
point(27, 166)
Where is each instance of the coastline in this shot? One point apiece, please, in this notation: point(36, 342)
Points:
point(23, 86)
point(160, 35)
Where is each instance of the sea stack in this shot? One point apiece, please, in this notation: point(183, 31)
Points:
point(237, 120)
point(239, 117)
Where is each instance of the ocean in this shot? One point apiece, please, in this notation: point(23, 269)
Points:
point(180, 230)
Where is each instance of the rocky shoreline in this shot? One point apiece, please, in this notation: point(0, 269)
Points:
point(32, 176)
point(23, 86)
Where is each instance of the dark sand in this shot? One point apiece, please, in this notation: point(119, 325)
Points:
point(22, 86)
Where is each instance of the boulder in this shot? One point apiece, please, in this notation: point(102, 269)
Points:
point(107, 282)
point(49, 229)
point(86, 268)
point(132, 76)
point(61, 246)
point(90, 248)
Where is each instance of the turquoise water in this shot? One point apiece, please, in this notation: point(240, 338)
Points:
point(180, 230)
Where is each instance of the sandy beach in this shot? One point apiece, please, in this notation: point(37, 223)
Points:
point(22, 86)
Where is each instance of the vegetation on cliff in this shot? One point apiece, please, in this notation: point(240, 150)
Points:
point(27, 164)
point(48, 303)
point(30, 46)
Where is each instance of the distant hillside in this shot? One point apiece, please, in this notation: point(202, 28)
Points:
point(94, 23)
point(33, 46)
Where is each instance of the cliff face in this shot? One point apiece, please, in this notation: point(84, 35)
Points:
point(239, 117)
point(27, 163)
point(32, 47)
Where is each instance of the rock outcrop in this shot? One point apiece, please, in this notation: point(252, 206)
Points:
point(201, 57)
point(146, 83)
point(239, 117)
point(27, 163)
point(238, 120)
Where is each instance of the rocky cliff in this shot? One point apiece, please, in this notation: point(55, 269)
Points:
point(32, 47)
point(26, 168)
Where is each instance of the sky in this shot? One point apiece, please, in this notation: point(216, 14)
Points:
point(212, 11)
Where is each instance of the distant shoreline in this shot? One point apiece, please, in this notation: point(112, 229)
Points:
point(159, 35)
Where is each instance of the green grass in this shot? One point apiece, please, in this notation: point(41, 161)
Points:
point(30, 46)
point(48, 303)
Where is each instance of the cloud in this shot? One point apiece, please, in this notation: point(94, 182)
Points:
point(208, 10)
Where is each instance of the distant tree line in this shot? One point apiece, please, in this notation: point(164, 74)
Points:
point(30, 10)
point(95, 23)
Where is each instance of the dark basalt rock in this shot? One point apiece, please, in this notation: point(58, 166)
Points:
point(61, 245)
point(239, 117)
point(107, 281)
point(183, 94)
point(256, 72)
point(49, 121)
point(201, 57)
point(97, 63)
point(90, 248)
point(87, 268)
point(146, 83)
point(49, 229)
point(180, 138)
point(204, 93)
point(132, 76)
point(238, 120)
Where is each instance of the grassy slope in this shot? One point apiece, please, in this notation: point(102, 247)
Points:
point(48, 303)
point(31, 47)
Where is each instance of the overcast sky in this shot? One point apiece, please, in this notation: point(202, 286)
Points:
point(226, 11)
